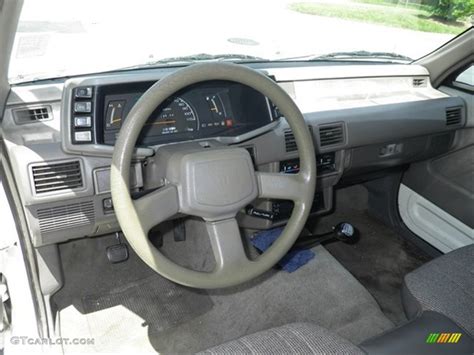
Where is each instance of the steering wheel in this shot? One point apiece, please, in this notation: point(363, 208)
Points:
point(213, 184)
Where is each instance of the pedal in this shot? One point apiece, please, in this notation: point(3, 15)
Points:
point(179, 230)
point(117, 253)
point(156, 237)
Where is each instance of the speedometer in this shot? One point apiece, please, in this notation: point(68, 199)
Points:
point(175, 116)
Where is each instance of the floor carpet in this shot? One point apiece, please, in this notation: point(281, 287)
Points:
point(322, 291)
point(381, 258)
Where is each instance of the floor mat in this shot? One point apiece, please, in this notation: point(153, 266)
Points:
point(161, 303)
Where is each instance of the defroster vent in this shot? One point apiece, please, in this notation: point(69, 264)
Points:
point(33, 114)
point(419, 82)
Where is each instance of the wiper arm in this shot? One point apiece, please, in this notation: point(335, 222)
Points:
point(355, 55)
point(189, 59)
point(366, 54)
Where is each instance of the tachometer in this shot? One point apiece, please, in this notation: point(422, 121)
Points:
point(175, 116)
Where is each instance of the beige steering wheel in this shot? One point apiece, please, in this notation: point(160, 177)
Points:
point(214, 184)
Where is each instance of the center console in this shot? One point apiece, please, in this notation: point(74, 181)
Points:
point(325, 165)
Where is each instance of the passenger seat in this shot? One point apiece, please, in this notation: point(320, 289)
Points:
point(444, 285)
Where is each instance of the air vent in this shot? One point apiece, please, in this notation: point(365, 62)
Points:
point(56, 177)
point(290, 143)
point(65, 217)
point(331, 135)
point(34, 114)
point(419, 82)
point(453, 116)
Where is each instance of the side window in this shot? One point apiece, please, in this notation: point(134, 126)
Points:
point(466, 77)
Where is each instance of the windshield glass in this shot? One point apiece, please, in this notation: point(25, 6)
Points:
point(69, 37)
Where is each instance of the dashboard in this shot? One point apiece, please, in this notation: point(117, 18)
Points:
point(201, 111)
point(364, 119)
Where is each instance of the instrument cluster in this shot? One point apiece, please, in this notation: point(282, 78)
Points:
point(204, 110)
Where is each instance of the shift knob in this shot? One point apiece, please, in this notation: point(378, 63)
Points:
point(346, 232)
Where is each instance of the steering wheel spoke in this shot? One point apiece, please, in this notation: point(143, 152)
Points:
point(279, 186)
point(227, 245)
point(157, 206)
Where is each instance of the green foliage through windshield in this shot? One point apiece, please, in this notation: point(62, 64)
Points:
point(421, 17)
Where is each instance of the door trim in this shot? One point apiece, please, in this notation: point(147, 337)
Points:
point(431, 223)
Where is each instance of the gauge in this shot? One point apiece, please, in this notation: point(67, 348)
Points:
point(176, 116)
point(216, 107)
point(217, 116)
point(114, 115)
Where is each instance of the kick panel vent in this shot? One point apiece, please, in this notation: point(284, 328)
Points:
point(419, 82)
point(331, 135)
point(290, 143)
point(453, 116)
point(28, 115)
point(65, 217)
point(56, 177)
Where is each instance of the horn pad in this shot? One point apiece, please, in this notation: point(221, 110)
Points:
point(215, 183)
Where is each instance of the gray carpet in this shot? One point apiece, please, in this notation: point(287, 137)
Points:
point(381, 258)
point(177, 305)
point(322, 292)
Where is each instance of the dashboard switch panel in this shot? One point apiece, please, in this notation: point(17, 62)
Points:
point(82, 121)
point(83, 93)
point(82, 115)
point(83, 136)
point(83, 107)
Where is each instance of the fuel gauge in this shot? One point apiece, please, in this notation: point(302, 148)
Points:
point(216, 107)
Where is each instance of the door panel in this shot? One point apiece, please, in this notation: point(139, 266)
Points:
point(448, 181)
point(431, 223)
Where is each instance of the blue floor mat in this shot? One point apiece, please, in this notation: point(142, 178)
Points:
point(291, 261)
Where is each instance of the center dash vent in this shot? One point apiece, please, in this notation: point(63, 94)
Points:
point(453, 116)
point(419, 82)
point(28, 115)
point(56, 177)
point(290, 143)
point(331, 135)
point(57, 218)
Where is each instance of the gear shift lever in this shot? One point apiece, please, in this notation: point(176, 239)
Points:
point(345, 232)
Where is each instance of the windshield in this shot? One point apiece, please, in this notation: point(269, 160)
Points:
point(69, 37)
